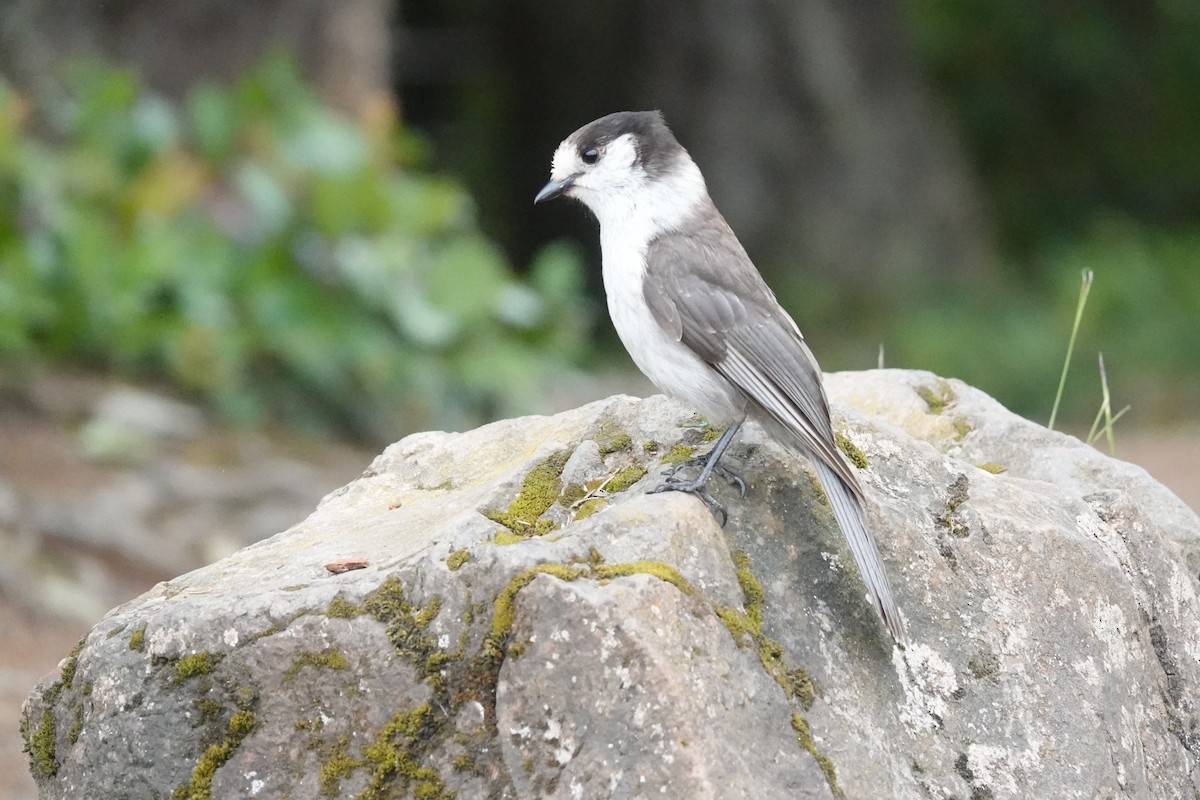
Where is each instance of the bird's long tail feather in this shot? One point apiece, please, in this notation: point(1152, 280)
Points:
point(852, 519)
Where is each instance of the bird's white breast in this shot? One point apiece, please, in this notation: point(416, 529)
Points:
point(670, 365)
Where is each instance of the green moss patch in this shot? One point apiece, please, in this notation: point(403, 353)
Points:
point(678, 454)
point(507, 538)
point(804, 737)
point(937, 398)
point(199, 787)
point(407, 625)
point(201, 663)
point(329, 658)
point(618, 442)
point(394, 759)
point(137, 639)
point(992, 467)
point(856, 456)
point(589, 507)
point(540, 488)
point(502, 609)
point(657, 569)
point(625, 478)
point(41, 744)
point(747, 624)
point(457, 559)
point(41, 738)
point(341, 608)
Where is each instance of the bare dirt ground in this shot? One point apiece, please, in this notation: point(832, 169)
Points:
point(34, 640)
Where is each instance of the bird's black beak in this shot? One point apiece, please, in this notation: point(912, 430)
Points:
point(554, 188)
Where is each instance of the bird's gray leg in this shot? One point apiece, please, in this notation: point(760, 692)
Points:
point(697, 484)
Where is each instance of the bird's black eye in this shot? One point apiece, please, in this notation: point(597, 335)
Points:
point(590, 156)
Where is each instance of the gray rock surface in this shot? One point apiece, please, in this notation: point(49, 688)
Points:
point(515, 636)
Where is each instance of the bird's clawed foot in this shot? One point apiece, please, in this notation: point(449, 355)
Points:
point(696, 486)
point(699, 462)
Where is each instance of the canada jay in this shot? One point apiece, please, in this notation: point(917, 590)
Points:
point(696, 316)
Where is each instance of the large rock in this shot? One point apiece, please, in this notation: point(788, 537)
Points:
point(532, 624)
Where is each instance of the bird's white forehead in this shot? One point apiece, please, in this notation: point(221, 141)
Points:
point(564, 162)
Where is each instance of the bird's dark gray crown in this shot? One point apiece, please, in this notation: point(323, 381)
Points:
point(654, 143)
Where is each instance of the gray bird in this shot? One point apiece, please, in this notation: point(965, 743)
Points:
point(696, 316)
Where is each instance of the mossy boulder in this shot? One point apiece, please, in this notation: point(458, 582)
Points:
point(531, 623)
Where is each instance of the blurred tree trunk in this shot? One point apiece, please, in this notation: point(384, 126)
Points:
point(343, 46)
point(818, 136)
point(810, 119)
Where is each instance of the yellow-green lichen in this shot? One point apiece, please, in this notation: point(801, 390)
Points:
point(116, 630)
point(956, 494)
point(678, 454)
point(137, 639)
point(938, 398)
point(962, 426)
point(341, 608)
point(543, 526)
point(804, 737)
point(857, 457)
point(329, 658)
point(709, 433)
point(458, 558)
point(992, 467)
point(200, 663)
point(984, 665)
point(540, 488)
point(199, 787)
point(650, 446)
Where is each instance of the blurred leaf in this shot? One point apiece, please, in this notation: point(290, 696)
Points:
point(275, 260)
point(213, 122)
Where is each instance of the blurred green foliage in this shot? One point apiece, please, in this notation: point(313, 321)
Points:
point(270, 257)
point(1082, 122)
point(1071, 110)
point(1009, 337)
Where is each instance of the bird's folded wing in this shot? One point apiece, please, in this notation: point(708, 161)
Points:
point(704, 291)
